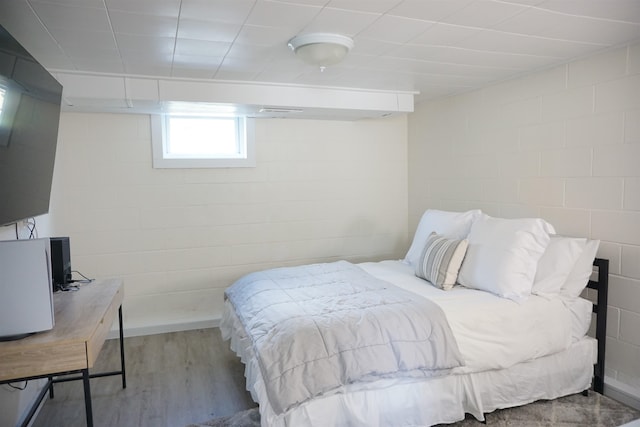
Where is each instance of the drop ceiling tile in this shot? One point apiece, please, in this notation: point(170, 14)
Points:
point(144, 68)
point(373, 6)
point(548, 24)
point(469, 57)
point(192, 73)
point(499, 41)
point(99, 65)
point(208, 30)
point(429, 10)
point(340, 21)
point(365, 46)
point(320, 3)
point(80, 55)
point(85, 41)
point(251, 68)
point(98, 4)
point(209, 63)
point(18, 19)
point(484, 13)
point(145, 25)
point(283, 15)
point(255, 52)
point(168, 8)
point(72, 17)
point(263, 36)
point(233, 11)
point(526, 2)
point(620, 10)
point(55, 61)
point(445, 35)
point(201, 47)
point(277, 76)
point(395, 29)
point(145, 45)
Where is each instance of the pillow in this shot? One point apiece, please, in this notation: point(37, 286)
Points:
point(503, 255)
point(556, 264)
point(452, 225)
point(581, 272)
point(440, 261)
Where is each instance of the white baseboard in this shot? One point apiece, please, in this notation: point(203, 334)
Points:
point(622, 393)
point(164, 328)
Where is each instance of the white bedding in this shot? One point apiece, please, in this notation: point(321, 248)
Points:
point(494, 332)
point(503, 343)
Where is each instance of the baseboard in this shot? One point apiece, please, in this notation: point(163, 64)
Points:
point(622, 393)
point(164, 328)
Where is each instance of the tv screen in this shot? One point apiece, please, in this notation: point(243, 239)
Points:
point(29, 116)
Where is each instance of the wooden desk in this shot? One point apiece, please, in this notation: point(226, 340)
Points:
point(83, 319)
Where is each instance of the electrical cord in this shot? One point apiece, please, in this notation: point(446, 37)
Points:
point(18, 387)
point(84, 280)
point(33, 231)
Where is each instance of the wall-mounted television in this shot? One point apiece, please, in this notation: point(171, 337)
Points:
point(30, 101)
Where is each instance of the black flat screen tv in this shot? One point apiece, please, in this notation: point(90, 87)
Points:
point(30, 99)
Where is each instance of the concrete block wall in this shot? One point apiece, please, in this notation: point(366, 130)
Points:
point(321, 191)
point(562, 144)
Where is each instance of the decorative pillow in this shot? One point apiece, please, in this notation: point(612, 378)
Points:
point(440, 261)
point(556, 264)
point(452, 225)
point(503, 255)
point(581, 272)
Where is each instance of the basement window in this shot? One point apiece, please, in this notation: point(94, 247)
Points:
point(202, 141)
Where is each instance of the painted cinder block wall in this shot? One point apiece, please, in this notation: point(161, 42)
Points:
point(321, 191)
point(562, 144)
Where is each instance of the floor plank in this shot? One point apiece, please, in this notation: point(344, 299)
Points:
point(173, 379)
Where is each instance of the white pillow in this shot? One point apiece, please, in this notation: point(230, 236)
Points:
point(556, 264)
point(452, 225)
point(503, 255)
point(440, 261)
point(581, 272)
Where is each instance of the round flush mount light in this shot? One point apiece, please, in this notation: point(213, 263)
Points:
point(321, 49)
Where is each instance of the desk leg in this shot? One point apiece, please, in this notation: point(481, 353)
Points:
point(50, 383)
point(87, 397)
point(124, 376)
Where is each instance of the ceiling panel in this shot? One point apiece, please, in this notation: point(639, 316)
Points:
point(340, 21)
point(395, 29)
point(484, 14)
point(208, 30)
point(435, 47)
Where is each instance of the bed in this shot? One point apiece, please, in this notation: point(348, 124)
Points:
point(404, 343)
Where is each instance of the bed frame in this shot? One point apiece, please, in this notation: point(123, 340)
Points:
point(601, 286)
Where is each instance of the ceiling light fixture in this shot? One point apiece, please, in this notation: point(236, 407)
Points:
point(321, 49)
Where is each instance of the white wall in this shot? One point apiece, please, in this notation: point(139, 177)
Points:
point(562, 144)
point(321, 191)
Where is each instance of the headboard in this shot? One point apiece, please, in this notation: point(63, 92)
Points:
point(601, 285)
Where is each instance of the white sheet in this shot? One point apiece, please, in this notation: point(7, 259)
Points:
point(492, 332)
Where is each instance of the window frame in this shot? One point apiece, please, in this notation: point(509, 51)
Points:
point(159, 142)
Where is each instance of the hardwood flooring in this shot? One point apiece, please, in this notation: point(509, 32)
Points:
point(173, 380)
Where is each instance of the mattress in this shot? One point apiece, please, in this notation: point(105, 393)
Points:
point(515, 353)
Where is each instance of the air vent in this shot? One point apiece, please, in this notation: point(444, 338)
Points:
point(277, 110)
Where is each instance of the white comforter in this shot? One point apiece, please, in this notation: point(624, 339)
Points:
point(317, 328)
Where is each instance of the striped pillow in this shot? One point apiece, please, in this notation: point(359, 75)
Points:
point(440, 261)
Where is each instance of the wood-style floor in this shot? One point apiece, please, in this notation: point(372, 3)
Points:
point(173, 380)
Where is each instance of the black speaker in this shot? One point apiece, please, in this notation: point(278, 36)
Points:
point(60, 262)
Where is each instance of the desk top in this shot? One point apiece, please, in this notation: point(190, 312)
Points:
point(82, 321)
